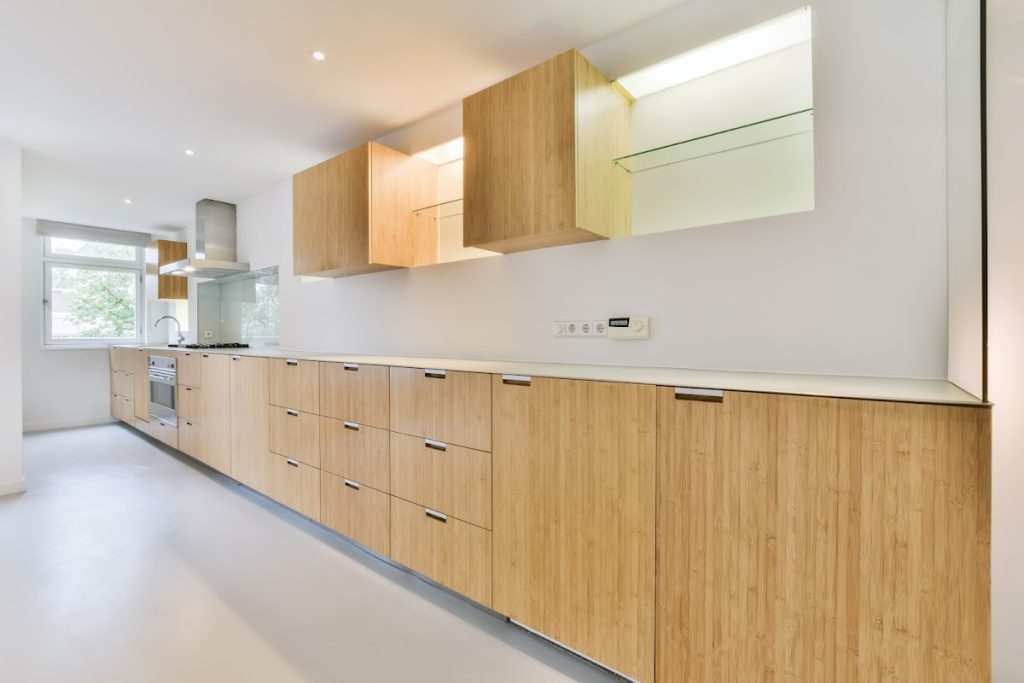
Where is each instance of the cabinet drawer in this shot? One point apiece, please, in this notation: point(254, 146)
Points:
point(123, 384)
point(190, 404)
point(454, 407)
point(356, 392)
point(190, 438)
point(295, 384)
point(352, 450)
point(295, 434)
point(356, 510)
point(294, 484)
point(190, 370)
point(162, 431)
point(451, 552)
point(451, 479)
point(115, 406)
point(127, 410)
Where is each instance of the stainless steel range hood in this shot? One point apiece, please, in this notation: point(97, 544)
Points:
point(216, 244)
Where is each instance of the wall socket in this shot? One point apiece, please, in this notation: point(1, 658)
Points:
point(580, 328)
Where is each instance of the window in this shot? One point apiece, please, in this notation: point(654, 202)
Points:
point(92, 292)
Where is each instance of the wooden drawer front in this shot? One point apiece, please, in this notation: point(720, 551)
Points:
point(190, 438)
point(294, 484)
point(351, 391)
point(355, 451)
point(141, 425)
point(357, 511)
point(454, 407)
point(451, 552)
point(127, 410)
point(294, 434)
point(190, 371)
point(190, 404)
point(162, 431)
point(115, 406)
point(451, 479)
point(295, 384)
point(123, 384)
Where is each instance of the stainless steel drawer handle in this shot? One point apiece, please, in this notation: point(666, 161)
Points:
point(189, 423)
point(292, 361)
point(434, 514)
point(188, 388)
point(206, 355)
point(436, 445)
point(435, 374)
point(517, 380)
point(354, 426)
point(292, 412)
point(354, 367)
point(293, 463)
point(352, 484)
point(236, 358)
point(696, 394)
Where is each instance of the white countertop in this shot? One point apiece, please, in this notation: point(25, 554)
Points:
point(875, 388)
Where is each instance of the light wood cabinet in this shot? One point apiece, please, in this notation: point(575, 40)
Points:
point(355, 392)
point(190, 403)
point(250, 430)
point(164, 431)
point(453, 553)
point(121, 359)
point(123, 383)
point(454, 407)
point(115, 406)
point(295, 434)
point(292, 483)
point(856, 534)
point(169, 286)
point(451, 479)
point(356, 510)
point(190, 439)
point(354, 213)
point(215, 412)
point(355, 451)
point(538, 164)
point(190, 369)
point(295, 384)
point(139, 360)
point(574, 506)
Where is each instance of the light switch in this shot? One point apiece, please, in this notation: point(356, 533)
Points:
point(629, 327)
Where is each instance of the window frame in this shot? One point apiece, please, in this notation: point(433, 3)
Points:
point(135, 267)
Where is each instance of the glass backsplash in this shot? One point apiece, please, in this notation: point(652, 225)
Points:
point(240, 308)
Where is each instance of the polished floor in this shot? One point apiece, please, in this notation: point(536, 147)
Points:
point(125, 561)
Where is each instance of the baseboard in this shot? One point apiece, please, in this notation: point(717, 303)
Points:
point(66, 424)
point(10, 487)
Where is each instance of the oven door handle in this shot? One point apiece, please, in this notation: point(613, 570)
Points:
point(163, 379)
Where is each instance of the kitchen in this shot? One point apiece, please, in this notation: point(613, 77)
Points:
point(530, 378)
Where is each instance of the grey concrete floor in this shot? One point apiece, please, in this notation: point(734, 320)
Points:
point(125, 561)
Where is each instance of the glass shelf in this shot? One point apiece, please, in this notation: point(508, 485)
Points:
point(750, 134)
point(448, 209)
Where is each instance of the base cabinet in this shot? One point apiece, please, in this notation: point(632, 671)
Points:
point(215, 412)
point(292, 483)
point(455, 554)
point(574, 502)
point(818, 539)
point(356, 510)
point(250, 430)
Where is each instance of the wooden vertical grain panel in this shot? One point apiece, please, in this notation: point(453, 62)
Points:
point(294, 484)
point(138, 361)
point(215, 412)
point(821, 539)
point(355, 392)
point(454, 407)
point(399, 184)
point(295, 384)
point(294, 434)
point(190, 371)
point(363, 514)
point(574, 505)
point(190, 403)
point(603, 189)
point(171, 286)
point(356, 452)
point(250, 431)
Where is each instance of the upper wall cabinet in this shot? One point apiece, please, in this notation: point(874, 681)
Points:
point(539, 150)
point(354, 213)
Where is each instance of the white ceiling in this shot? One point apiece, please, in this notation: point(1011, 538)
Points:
point(106, 95)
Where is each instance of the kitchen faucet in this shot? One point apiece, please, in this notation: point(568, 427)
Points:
point(181, 337)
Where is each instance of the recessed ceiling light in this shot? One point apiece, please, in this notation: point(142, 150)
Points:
point(774, 35)
point(318, 55)
point(452, 150)
point(190, 152)
point(127, 201)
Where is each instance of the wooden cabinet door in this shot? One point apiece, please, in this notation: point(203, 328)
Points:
point(139, 363)
point(829, 539)
point(292, 483)
point(250, 431)
point(356, 510)
point(295, 384)
point(574, 503)
point(294, 434)
point(215, 411)
point(355, 392)
point(190, 439)
point(190, 369)
point(190, 404)
point(453, 407)
point(356, 452)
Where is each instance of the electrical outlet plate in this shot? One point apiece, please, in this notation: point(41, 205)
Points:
point(579, 328)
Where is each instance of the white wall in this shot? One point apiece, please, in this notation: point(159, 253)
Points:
point(857, 286)
point(1006, 331)
point(12, 478)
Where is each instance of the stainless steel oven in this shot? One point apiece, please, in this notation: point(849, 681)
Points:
point(163, 389)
